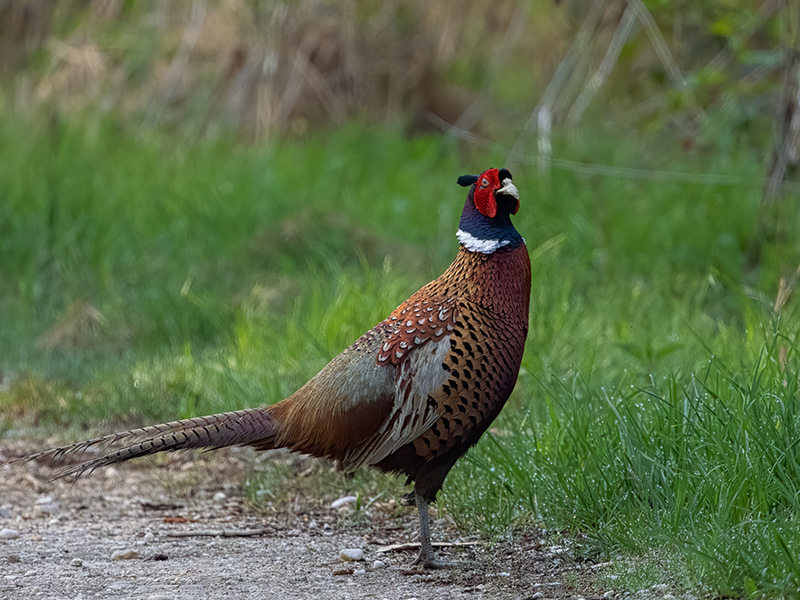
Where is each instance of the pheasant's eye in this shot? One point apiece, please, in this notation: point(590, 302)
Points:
point(484, 182)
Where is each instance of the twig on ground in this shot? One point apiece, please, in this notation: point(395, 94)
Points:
point(415, 545)
point(218, 533)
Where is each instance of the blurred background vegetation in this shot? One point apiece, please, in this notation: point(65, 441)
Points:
point(202, 202)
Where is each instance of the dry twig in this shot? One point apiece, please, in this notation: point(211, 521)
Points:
point(217, 533)
point(415, 545)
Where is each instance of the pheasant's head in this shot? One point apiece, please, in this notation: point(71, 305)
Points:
point(485, 225)
point(493, 192)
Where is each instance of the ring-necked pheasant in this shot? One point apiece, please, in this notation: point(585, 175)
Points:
point(413, 393)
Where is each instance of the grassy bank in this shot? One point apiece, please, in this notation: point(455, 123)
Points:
point(655, 420)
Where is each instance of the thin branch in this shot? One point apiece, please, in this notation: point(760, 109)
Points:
point(645, 174)
point(415, 545)
point(541, 114)
point(603, 169)
point(293, 86)
point(786, 150)
point(724, 103)
point(663, 53)
point(178, 65)
point(452, 130)
point(515, 29)
point(756, 22)
point(217, 533)
point(605, 67)
point(323, 91)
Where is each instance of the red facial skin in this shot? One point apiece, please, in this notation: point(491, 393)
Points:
point(488, 183)
point(484, 199)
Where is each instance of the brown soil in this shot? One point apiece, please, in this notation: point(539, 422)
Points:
point(65, 548)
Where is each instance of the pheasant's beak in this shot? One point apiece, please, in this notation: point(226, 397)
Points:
point(509, 189)
point(508, 196)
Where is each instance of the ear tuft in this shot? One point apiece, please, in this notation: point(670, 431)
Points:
point(467, 180)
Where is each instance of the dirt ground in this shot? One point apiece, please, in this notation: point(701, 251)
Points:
point(113, 535)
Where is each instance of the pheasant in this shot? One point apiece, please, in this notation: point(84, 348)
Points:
point(413, 393)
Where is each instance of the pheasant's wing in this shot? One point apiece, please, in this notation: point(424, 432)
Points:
point(417, 343)
point(378, 395)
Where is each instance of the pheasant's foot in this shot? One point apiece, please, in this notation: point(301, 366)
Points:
point(425, 558)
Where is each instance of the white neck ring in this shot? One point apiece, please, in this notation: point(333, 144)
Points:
point(474, 244)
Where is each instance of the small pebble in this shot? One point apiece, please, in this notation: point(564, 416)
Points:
point(344, 500)
point(378, 564)
point(220, 497)
point(30, 573)
point(76, 562)
point(45, 506)
point(149, 537)
point(5, 513)
point(360, 572)
point(8, 534)
point(159, 597)
point(351, 554)
point(126, 554)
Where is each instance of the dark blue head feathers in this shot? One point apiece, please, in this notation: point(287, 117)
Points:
point(467, 180)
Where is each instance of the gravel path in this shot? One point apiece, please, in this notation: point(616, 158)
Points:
point(111, 535)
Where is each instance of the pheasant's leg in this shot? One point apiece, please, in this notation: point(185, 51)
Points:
point(425, 557)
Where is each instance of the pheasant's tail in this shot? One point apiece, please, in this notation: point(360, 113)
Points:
point(253, 426)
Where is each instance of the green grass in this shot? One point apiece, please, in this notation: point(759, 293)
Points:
point(656, 419)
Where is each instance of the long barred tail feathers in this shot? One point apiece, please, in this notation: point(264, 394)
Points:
point(241, 427)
